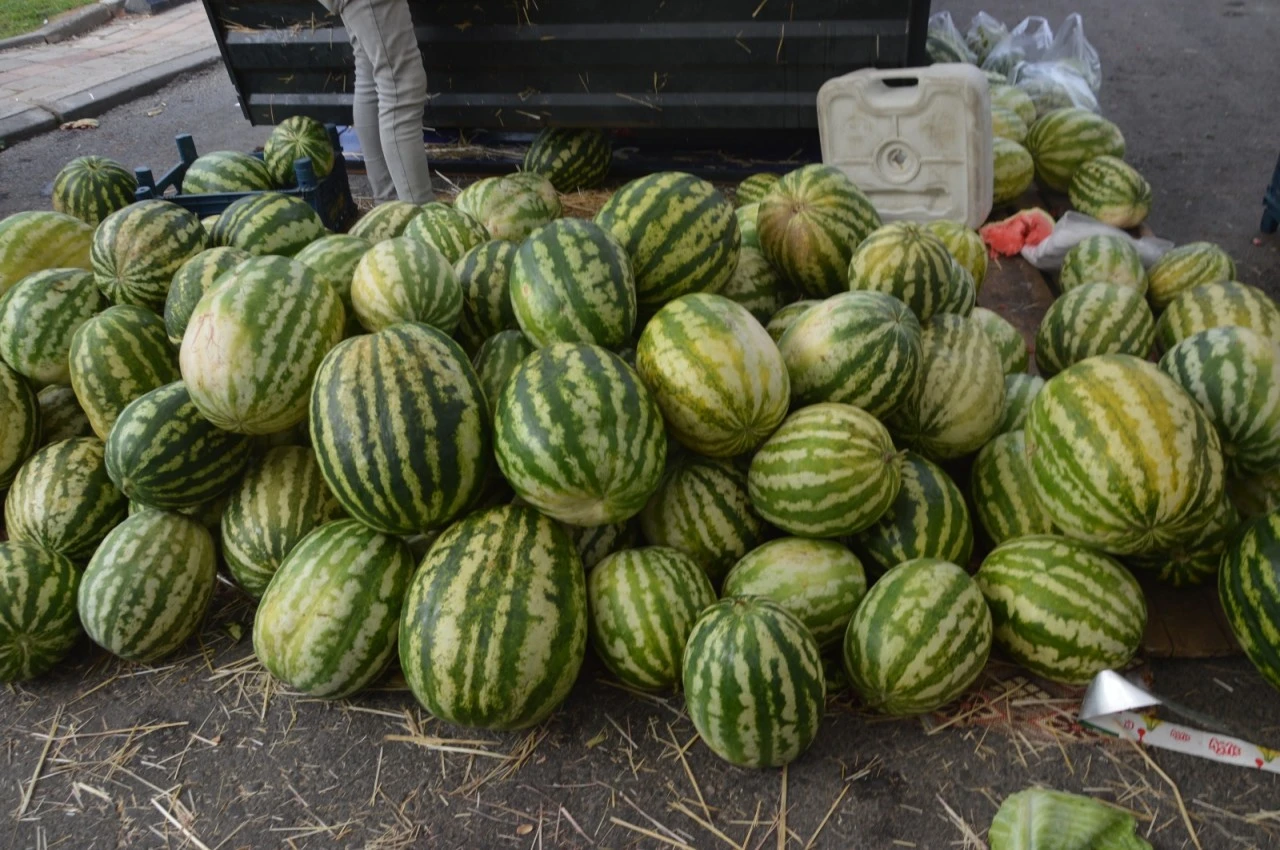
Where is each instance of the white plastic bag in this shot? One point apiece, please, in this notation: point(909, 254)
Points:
point(1074, 227)
point(945, 42)
point(1054, 85)
point(1074, 51)
point(1028, 42)
point(984, 33)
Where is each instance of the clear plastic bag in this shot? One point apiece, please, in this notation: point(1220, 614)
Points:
point(1075, 226)
point(1073, 50)
point(1054, 85)
point(984, 33)
point(945, 42)
point(1028, 42)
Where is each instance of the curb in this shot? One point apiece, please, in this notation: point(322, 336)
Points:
point(67, 26)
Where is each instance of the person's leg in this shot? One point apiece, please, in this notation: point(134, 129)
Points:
point(365, 120)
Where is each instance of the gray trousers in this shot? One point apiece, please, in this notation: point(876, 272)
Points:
point(390, 93)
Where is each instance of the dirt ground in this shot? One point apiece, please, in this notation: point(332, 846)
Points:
point(204, 752)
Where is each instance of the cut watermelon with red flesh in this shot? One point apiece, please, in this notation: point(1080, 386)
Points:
point(1008, 237)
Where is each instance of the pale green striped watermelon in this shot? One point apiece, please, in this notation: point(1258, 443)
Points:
point(746, 216)
point(961, 294)
point(753, 188)
point(405, 280)
point(785, 317)
point(484, 273)
point(327, 623)
point(829, 471)
point(19, 423)
point(227, 171)
point(965, 245)
point(756, 285)
point(333, 259)
point(61, 417)
point(715, 373)
point(1217, 305)
point(510, 207)
point(297, 137)
point(385, 221)
point(41, 239)
point(196, 277)
point(1014, 99)
point(1122, 457)
point(907, 261)
point(268, 223)
point(1007, 124)
point(1184, 267)
point(450, 231)
point(1047, 94)
point(1062, 610)
point(1102, 258)
point(281, 499)
point(38, 621)
point(137, 250)
point(1019, 393)
point(919, 639)
point(494, 628)
point(1093, 319)
point(572, 158)
point(578, 436)
point(1196, 562)
point(1004, 490)
point(92, 188)
point(1249, 587)
point(148, 586)
point(38, 317)
point(809, 224)
point(1062, 140)
point(401, 429)
point(497, 360)
point(1008, 340)
point(116, 357)
point(753, 682)
point(1013, 171)
point(597, 542)
point(642, 605)
point(1110, 190)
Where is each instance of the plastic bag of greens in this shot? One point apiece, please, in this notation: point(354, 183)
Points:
point(1039, 819)
point(1028, 42)
point(945, 43)
point(985, 32)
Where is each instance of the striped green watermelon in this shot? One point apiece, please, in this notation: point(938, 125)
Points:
point(1122, 457)
point(447, 229)
point(1008, 340)
point(268, 223)
point(401, 429)
point(1103, 258)
point(327, 623)
point(594, 544)
point(1047, 94)
point(1062, 140)
point(92, 188)
point(679, 231)
point(746, 216)
point(907, 261)
point(385, 221)
point(1019, 392)
point(137, 250)
point(164, 454)
point(196, 277)
point(255, 341)
point(702, 509)
point(333, 259)
point(1016, 100)
point(148, 586)
point(1007, 124)
point(38, 317)
point(206, 223)
point(1234, 375)
point(956, 404)
point(715, 373)
point(927, 519)
point(38, 622)
point(819, 581)
point(829, 471)
point(61, 417)
point(753, 188)
point(405, 280)
point(1255, 495)
point(63, 499)
point(571, 158)
point(40, 239)
point(919, 639)
point(510, 207)
point(756, 285)
point(1185, 267)
point(497, 360)
point(965, 245)
point(809, 224)
point(572, 282)
point(578, 436)
point(1062, 610)
point(19, 423)
point(494, 628)
point(281, 499)
point(781, 321)
point(859, 348)
point(1217, 305)
point(1093, 319)
point(642, 604)
point(1004, 490)
point(297, 137)
point(961, 293)
point(1110, 190)
point(753, 682)
point(1013, 171)
point(1196, 562)
point(1249, 587)
point(483, 273)
point(227, 171)
point(117, 356)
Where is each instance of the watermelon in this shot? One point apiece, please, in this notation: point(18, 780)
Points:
point(61, 417)
point(642, 604)
point(1110, 190)
point(497, 360)
point(1013, 171)
point(907, 261)
point(146, 590)
point(92, 188)
point(927, 519)
point(756, 285)
point(280, 500)
point(1062, 610)
point(1122, 457)
point(39, 239)
point(227, 171)
point(746, 216)
point(944, 43)
point(1025, 228)
point(1185, 267)
point(19, 423)
point(785, 317)
point(1008, 340)
point(405, 280)
point(137, 250)
point(1196, 562)
point(385, 221)
point(333, 259)
point(571, 158)
point(715, 373)
point(494, 628)
point(483, 273)
point(1216, 305)
point(1007, 124)
point(961, 293)
point(63, 499)
point(510, 207)
point(1046, 94)
point(196, 277)
point(268, 223)
point(594, 544)
point(1014, 99)
point(164, 454)
point(1062, 140)
point(957, 403)
point(919, 638)
point(400, 428)
point(679, 231)
point(1004, 491)
point(328, 621)
point(1249, 587)
point(753, 682)
point(450, 231)
point(829, 471)
point(572, 282)
point(38, 317)
point(1019, 392)
point(702, 509)
point(578, 436)
point(1092, 319)
point(965, 245)
point(1103, 258)
point(753, 188)
point(38, 622)
point(117, 356)
point(809, 224)
point(206, 223)
point(1255, 495)
point(297, 137)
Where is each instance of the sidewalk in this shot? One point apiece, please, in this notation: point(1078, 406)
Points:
point(42, 86)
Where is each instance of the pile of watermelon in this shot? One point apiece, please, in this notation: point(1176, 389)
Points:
point(731, 450)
